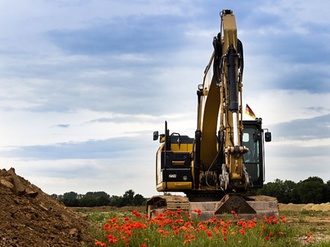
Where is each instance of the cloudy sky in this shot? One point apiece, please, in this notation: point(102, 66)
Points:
point(84, 83)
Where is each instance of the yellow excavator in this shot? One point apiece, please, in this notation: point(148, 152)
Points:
point(226, 158)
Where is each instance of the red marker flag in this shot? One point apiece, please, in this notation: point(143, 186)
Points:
point(249, 112)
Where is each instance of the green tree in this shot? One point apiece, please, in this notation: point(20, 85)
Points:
point(284, 191)
point(116, 201)
point(289, 192)
point(94, 199)
point(312, 190)
point(327, 192)
point(70, 199)
point(128, 198)
point(139, 200)
point(272, 189)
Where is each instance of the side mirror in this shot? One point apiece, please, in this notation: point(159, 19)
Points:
point(155, 135)
point(268, 136)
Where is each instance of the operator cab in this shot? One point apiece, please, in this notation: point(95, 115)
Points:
point(254, 160)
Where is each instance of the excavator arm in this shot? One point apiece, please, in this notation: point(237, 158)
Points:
point(219, 125)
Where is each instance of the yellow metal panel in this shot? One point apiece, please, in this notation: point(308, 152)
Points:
point(178, 162)
point(209, 124)
point(174, 186)
point(179, 186)
point(230, 31)
point(185, 147)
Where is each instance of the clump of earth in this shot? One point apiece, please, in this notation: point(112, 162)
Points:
point(30, 217)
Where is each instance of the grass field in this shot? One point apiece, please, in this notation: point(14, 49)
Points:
point(131, 228)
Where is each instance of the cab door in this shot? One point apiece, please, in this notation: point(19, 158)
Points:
point(254, 159)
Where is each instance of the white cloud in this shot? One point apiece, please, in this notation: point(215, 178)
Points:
point(278, 106)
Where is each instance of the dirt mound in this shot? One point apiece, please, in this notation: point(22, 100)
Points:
point(317, 207)
point(300, 207)
point(30, 217)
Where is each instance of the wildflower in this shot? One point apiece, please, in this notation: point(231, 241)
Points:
point(224, 231)
point(242, 223)
point(251, 224)
point(184, 228)
point(99, 243)
point(179, 221)
point(179, 210)
point(187, 241)
point(188, 224)
point(309, 237)
point(112, 239)
point(223, 223)
point(209, 233)
point(107, 227)
point(202, 226)
point(143, 245)
point(136, 213)
point(113, 220)
point(139, 225)
point(198, 211)
point(241, 231)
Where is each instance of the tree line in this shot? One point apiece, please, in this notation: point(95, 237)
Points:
point(100, 198)
point(310, 190)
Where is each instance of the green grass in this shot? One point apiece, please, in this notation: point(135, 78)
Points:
point(126, 229)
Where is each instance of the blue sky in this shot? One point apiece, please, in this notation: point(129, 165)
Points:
point(84, 83)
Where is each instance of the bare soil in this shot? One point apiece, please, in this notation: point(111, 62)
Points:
point(30, 217)
point(315, 217)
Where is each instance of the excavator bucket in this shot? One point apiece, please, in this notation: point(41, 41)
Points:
point(243, 207)
point(234, 204)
